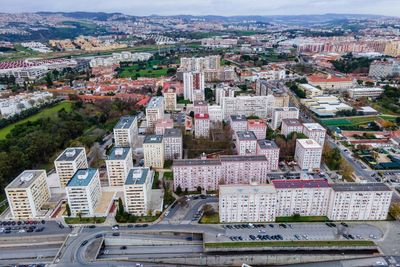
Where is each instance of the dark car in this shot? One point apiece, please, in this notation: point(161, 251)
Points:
point(115, 234)
point(123, 247)
point(99, 235)
point(84, 243)
point(92, 226)
point(130, 225)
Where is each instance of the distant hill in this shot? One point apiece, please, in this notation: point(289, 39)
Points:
point(100, 16)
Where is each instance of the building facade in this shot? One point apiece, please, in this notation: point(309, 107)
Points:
point(315, 131)
point(291, 126)
point(246, 143)
point(153, 150)
point(278, 114)
point(201, 126)
point(118, 163)
point(154, 111)
point(308, 154)
point(68, 162)
point(126, 132)
point(173, 144)
point(137, 191)
point(258, 127)
point(270, 150)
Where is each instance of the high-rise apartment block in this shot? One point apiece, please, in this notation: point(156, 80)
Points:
point(68, 162)
point(153, 150)
point(247, 105)
point(137, 191)
point(162, 125)
point(201, 125)
point(308, 154)
point(27, 193)
point(84, 192)
point(118, 163)
point(170, 100)
point(278, 114)
point(173, 144)
point(126, 132)
point(258, 127)
point(315, 131)
point(246, 143)
point(200, 107)
point(291, 126)
point(238, 123)
point(193, 86)
point(270, 150)
point(154, 110)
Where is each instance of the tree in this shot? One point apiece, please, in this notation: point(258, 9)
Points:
point(208, 210)
point(68, 210)
point(209, 94)
point(346, 170)
point(121, 209)
point(394, 210)
point(179, 190)
point(198, 189)
point(159, 91)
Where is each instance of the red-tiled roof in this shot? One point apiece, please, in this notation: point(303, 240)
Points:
point(319, 79)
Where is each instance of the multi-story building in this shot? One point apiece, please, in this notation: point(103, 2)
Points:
point(170, 100)
point(244, 169)
point(278, 114)
point(238, 123)
point(270, 150)
point(311, 91)
point(137, 191)
point(381, 69)
point(352, 201)
point(154, 110)
point(247, 203)
point(126, 132)
point(200, 107)
point(173, 144)
point(291, 125)
point(191, 173)
point(372, 92)
point(302, 197)
point(27, 193)
point(68, 162)
point(118, 163)
point(201, 125)
point(258, 127)
point(246, 143)
point(162, 125)
point(200, 63)
point(308, 154)
point(331, 82)
point(84, 192)
point(246, 105)
point(215, 113)
point(153, 150)
point(392, 48)
point(193, 86)
point(315, 131)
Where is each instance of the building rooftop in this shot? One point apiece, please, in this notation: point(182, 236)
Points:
point(70, 154)
point(200, 103)
point(125, 122)
point(267, 144)
point(308, 143)
point(257, 122)
point(246, 135)
point(196, 162)
point(366, 89)
point(292, 122)
point(25, 179)
point(153, 139)
point(313, 127)
point(201, 116)
point(247, 189)
point(243, 158)
point(238, 118)
point(155, 102)
point(286, 109)
point(319, 79)
point(173, 132)
point(360, 187)
point(119, 153)
point(137, 176)
point(317, 183)
point(82, 177)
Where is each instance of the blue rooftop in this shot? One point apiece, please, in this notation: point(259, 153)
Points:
point(149, 139)
point(125, 122)
point(82, 177)
point(118, 153)
point(137, 176)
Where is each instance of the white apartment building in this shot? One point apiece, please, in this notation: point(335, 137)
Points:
point(137, 191)
point(215, 113)
point(247, 203)
point(68, 162)
point(200, 63)
point(278, 114)
point(126, 132)
point(162, 125)
point(238, 123)
point(291, 125)
point(247, 105)
point(315, 131)
point(170, 100)
point(366, 202)
point(258, 127)
point(382, 69)
point(308, 154)
point(173, 144)
point(200, 107)
point(270, 150)
point(153, 150)
point(372, 92)
point(201, 126)
point(244, 169)
point(84, 192)
point(118, 164)
point(193, 86)
point(27, 193)
point(303, 197)
point(246, 143)
point(154, 110)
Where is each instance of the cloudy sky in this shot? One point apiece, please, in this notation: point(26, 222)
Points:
point(212, 7)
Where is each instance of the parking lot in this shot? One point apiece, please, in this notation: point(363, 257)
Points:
point(24, 228)
point(298, 231)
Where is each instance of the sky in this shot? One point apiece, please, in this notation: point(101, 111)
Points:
point(208, 7)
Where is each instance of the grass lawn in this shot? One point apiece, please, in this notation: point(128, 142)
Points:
point(47, 112)
point(77, 220)
point(156, 182)
point(133, 71)
point(355, 121)
point(339, 243)
point(168, 176)
point(3, 207)
point(183, 101)
point(210, 219)
point(302, 219)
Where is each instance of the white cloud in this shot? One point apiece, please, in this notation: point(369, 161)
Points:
point(213, 7)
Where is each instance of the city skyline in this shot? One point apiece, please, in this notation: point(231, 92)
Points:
point(211, 7)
